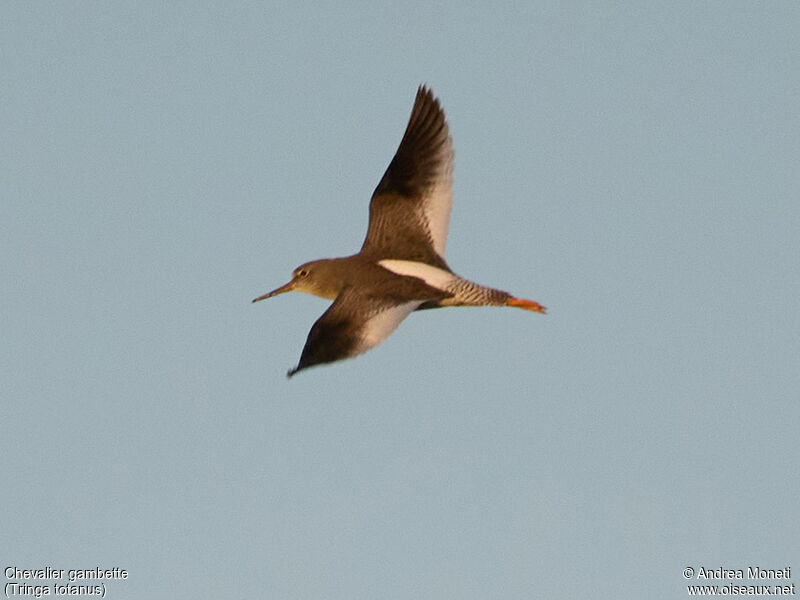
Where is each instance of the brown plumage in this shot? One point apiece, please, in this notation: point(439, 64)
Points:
point(400, 267)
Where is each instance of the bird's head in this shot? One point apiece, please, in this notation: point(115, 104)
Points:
point(310, 278)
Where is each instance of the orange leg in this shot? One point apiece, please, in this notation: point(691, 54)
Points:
point(526, 304)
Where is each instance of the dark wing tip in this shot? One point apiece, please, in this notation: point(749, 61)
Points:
point(333, 336)
point(419, 159)
point(424, 91)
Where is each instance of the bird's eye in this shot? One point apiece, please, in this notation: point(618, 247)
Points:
point(302, 273)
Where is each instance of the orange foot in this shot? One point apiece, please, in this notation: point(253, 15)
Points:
point(526, 305)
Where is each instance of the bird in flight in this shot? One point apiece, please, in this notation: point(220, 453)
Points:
point(400, 267)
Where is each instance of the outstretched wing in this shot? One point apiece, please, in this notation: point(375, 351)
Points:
point(410, 209)
point(353, 324)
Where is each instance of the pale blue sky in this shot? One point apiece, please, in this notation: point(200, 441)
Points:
point(634, 168)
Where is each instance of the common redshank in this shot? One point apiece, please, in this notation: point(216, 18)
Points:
point(400, 267)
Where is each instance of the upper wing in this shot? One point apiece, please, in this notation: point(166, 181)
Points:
point(353, 324)
point(410, 209)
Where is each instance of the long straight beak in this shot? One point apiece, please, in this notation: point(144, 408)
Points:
point(284, 288)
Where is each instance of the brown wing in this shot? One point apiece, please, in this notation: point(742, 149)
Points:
point(357, 322)
point(410, 209)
